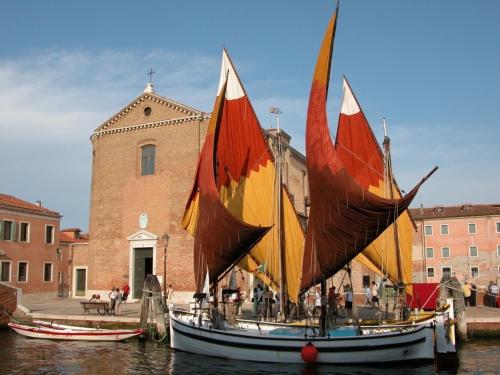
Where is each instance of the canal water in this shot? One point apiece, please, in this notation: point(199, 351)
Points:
point(21, 355)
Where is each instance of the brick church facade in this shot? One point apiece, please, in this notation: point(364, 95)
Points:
point(144, 160)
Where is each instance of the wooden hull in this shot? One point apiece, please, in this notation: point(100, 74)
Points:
point(72, 334)
point(285, 344)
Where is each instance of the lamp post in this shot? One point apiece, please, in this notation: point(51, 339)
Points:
point(164, 240)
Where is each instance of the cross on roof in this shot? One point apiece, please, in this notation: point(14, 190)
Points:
point(150, 74)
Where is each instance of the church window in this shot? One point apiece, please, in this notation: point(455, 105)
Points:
point(147, 111)
point(148, 159)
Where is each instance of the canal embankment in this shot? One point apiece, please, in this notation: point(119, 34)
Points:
point(481, 321)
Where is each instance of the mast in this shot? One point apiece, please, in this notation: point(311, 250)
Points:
point(279, 215)
point(389, 179)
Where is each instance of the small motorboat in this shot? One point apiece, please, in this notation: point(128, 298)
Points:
point(45, 330)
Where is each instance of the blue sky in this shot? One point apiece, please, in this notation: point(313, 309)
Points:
point(432, 68)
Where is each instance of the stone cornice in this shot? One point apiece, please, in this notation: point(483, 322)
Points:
point(190, 112)
point(150, 125)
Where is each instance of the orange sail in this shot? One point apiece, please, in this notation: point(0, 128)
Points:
point(221, 239)
point(246, 183)
point(344, 216)
point(363, 159)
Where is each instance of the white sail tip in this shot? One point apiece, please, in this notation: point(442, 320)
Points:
point(349, 104)
point(234, 88)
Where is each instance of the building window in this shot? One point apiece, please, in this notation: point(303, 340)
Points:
point(430, 271)
point(148, 153)
point(445, 252)
point(5, 272)
point(499, 270)
point(49, 234)
point(47, 272)
point(366, 281)
point(444, 228)
point(429, 252)
point(22, 272)
point(147, 111)
point(472, 228)
point(24, 232)
point(474, 271)
point(446, 271)
point(498, 250)
point(473, 251)
point(8, 230)
point(428, 230)
point(498, 226)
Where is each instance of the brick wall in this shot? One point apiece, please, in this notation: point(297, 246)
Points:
point(8, 302)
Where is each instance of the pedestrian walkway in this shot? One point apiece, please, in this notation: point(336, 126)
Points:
point(479, 319)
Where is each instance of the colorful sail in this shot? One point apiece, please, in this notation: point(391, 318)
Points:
point(246, 181)
point(363, 159)
point(344, 217)
point(221, 238)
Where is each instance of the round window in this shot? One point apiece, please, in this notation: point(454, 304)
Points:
point(147, 111)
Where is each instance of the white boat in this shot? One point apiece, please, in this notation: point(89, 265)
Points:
point(267, 342)
point(41, 323)
point(75, 333)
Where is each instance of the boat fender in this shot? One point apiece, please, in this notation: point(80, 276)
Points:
point(309, 353)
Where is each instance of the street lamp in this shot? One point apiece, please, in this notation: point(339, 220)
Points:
point(164, 240)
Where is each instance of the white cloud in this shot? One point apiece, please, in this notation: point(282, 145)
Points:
point(67, 94)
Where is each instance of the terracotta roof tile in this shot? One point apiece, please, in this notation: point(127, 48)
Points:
point(8, 202)
point(463, 210)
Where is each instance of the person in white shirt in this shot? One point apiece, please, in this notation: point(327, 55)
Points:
point(374, 291)
point(317, 301)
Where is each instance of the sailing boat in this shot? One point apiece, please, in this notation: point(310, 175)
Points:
point(286, 343)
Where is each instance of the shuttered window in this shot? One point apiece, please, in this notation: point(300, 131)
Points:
point(8, 230)
point(148, 155)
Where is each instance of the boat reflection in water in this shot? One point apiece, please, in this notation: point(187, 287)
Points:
point(21, 355)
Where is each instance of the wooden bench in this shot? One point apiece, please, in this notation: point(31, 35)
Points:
point(101, 307)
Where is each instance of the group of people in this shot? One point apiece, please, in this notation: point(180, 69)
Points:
point(491, 297)
point(493, 294)
point(371, 294)
point(117, 297)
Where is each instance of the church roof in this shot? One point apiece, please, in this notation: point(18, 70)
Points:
point(186, 114)
point(10, 203)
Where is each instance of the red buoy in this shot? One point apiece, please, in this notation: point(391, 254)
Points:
point(309, 353)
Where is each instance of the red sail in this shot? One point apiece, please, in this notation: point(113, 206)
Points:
point(344, 216)
point(221, 239)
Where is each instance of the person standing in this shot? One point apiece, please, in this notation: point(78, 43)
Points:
point(317, 301)
point(348, 300)
point(368, 295)
point(126, 291)
point(112, 298)
point(467, 294)
point(374, 290)
point(332, 303)
point(118, 302)
point(255, 301)
point(494, 293)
